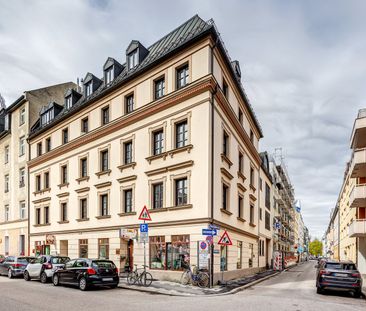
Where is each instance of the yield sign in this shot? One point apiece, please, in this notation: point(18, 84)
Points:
point(144, 214)
point(225, 239)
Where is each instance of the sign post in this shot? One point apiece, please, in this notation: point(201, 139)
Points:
point(144, 230)
point(224, 241)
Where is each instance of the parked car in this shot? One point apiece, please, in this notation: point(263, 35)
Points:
point(86, 273)
point(2, 258)
point(342, 276)
point(43, 267)
point(14, 266)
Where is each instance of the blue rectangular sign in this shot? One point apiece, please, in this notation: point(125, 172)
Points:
point(209, 232)
point(144, 228)
point(212, 226)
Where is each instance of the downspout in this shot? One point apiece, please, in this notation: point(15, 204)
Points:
point(28, 196)
point(259, 209)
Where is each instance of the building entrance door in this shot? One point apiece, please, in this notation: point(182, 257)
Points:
point(126, 255)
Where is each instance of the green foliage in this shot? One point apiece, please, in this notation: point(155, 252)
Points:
point(316, 247)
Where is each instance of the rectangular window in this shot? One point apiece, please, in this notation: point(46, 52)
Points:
point(225, 144)
point(240, 116)
point(46, 180)
point(104, 165)
point(103, 248)
point(158, 142)
point(46, 215)
point(225, 196)
point(251, 176)
point(105, 115)
point(22, 210)
point(6, 154)
point(127, 152)
point(181, 191)
point(268, 197)
point(22, 177)
point(251, 213)
point(85, 125)
point(89, 88)
point(158, 192)
point(104, 205)
point(223, 258)
point(260, 183)
point(22, 116)
point(267, 220)
point(127, 198)
point(38, 183)
point(83, 167)
point(21, 146)
point(38, 216)
point(39, 149)
point(179, 253)
point(7, 213)
point(240, 206)
point(83, 248)
point(68, 102)
point(239, 255)
point(109, 75)
point(159, 88)
point(6, 185)
point(48, 144)
point(65, 136)
point(251, 136)
point(260, 213)
point(241, 160)
point(64, 177)
point(83, 209)
point(157, 252)
point(182, 76)
point(64, 211)
point(129, 104)
point(181, 134)
point(133, 59)
point(225, 88)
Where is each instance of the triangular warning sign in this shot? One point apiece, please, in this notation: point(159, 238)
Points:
point(225, 239)
point(144, 214)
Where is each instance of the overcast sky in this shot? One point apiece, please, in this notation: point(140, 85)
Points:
point(303, 66)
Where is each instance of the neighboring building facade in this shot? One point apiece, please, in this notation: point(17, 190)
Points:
point(171, 129)
point(15, 122)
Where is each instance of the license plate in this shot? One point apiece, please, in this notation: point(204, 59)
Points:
point(340, 274)
point(107, 279)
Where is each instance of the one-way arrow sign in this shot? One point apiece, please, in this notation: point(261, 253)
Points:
point(211, 232)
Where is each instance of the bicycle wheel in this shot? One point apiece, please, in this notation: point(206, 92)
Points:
point(203, 279)
point(185, 279)
point(132, 278)
point(145, 279)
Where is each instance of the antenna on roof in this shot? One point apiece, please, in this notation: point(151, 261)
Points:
point(2, 102)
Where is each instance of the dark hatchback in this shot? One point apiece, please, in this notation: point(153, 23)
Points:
point(341, 276)
point(86, 273)
point(14, 266)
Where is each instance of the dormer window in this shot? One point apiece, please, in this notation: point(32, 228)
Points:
point(68, 102)
point(47, 117)
point(109, 75)
point(89, 88)
point(132, 59)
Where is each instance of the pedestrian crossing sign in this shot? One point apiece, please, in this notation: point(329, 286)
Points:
point(225, 239)
point(144, 215)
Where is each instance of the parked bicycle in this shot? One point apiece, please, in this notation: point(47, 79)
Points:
point(195, 277)
point(142, 278)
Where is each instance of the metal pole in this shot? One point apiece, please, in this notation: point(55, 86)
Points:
point(144, 259)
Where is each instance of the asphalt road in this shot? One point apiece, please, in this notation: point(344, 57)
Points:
point(293, 290)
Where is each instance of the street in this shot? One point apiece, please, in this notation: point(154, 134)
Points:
point(291, 290)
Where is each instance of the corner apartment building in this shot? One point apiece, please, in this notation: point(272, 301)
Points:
point(15, 123)
point(169, 127)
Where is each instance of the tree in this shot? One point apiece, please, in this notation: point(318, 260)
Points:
point(316, 247)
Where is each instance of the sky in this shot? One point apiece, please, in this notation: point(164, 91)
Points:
point(303, 68)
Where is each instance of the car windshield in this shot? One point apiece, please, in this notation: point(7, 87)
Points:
point(59, 260)
point(103, 264)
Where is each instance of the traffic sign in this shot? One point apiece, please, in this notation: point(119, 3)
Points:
point(203, 245)
point(225, 239)
point(209, 239)
point(213, 226)
point(144, 228)
point(144, 237)
point(209, 232)
point(144, 215)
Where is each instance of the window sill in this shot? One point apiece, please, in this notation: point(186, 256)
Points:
point(241, 219)
point(252, 225)
point(42, 191)
point(170, 208)
point(157, 156)
point(226, 211)
point(103, 217)
point(101, 173)
point(125, 166)
point(63, 222)
point(241, 175)
point(42, 225)
point(63, 185)
point(224, 158)
point(79, 180)
point(127, 214)
point(187, 148)
point(82, 219)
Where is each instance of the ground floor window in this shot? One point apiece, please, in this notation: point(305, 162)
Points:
point(251, 255)
point(83, 248)
point(22, 245)
point(223, 258)
point(103, 248)
point(239, 256)
point(157, 252)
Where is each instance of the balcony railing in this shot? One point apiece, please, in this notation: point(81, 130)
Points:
point(357, 228)
point(358, 163)
point(358, 196)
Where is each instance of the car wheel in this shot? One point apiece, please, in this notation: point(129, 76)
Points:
point(43, 278)
point(319, 290)
point(10, 274)
point(357, 294)
point(114, 286)
point(26, 276)
point(56, 280)
point(82, 284)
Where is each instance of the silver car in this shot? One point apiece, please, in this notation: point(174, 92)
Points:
point(43, 267)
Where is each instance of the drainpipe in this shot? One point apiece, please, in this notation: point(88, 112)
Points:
point(28, 197)
point(259, 209)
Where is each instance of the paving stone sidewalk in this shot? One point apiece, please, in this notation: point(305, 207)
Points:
point(176, 289)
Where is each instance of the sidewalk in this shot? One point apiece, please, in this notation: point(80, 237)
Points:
point(176, 289)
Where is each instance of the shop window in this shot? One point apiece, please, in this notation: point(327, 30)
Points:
point(178, 252)
point(223, 258)
point(103, 248)
point(83, 248)
point(157, 252)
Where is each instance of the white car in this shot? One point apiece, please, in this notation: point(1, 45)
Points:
point(43, 267)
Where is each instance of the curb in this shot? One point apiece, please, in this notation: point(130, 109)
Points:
point(231, 292)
